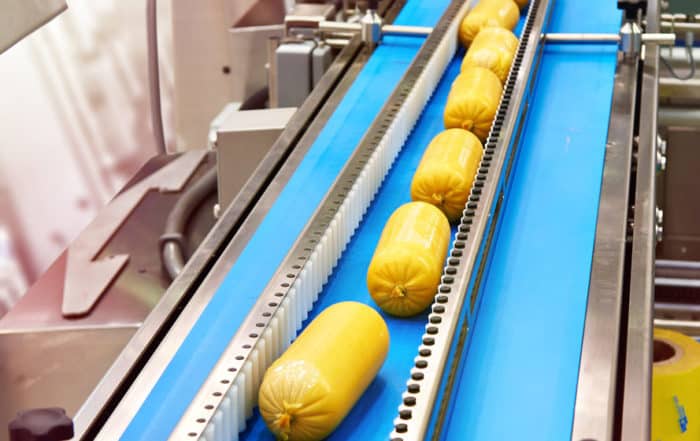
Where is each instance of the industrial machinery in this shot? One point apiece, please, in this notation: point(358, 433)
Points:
point(541, 327)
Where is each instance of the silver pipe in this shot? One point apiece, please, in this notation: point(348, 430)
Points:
point(677, 282)
point(688, 327)
point(336, 27)
point(594, 38)
point(680, 264)
point(676, 308)
point(422, 31)
point(154, 76)
point(337, 43)
point(680, 26)
point(679, 117)
point(580, 38)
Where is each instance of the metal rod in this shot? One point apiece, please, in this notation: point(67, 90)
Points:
point(666, 39)
point(336, 27)
point(677, 282)
point(578, 38)
point(676, 308)
point(677, 264)
point(679, 117)
point(337, 43)
point(421, 31)
point(154, 76)
point(680, 26)
point(584, 38)
point(688, 327)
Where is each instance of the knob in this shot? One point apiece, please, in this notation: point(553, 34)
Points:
point(49, 424)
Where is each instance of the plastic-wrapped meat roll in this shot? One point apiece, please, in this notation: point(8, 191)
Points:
point(473, 101)
point(308, 391)
point(498, 13)
point(446, 172)
point(494, 49)
point(407, 264)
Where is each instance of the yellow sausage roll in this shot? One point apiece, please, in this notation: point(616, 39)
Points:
point(446, 172)
point(494, 49)
point(499, 13)
point(473, 101)
point(407, 264)
point(308, 391)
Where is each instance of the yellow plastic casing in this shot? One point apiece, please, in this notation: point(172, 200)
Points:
point(446, 172)
point(473, 101)
point(499, 13)
point(494, 49)
point(308, 391)
point(675, 401)
point(407, 264)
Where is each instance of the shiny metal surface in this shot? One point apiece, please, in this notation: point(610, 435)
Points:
point(479, 217)
point(203, 49)
point(250, 43)
point(678, 282)
point(86, 278)
point(680, 116)
point(39, 369)
point(42, 370)
point(578, 38)
point(202, 275)
point(242, 141)
point(19, 18)
point(230, 365)
point(336, 27)
point(687, 327)
point(636, 399)
point(389, 29)
point(128, 300)
point(676, 310)
point(594, 411)
point(681, 210)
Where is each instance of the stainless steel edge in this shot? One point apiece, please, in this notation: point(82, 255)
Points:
point(419, 401)
point(594, 412)
point(236, 225)
point(636, 399)
point(230, 365)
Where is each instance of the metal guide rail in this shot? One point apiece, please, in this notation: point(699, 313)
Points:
point(229, 394)
point(420, 413)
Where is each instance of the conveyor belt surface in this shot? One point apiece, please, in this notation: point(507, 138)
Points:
point(371, 419)
point(519, 374)
point(203, 346)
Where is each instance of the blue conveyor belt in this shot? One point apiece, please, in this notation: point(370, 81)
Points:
point(371, 419)
point(519, 373)
point(295, 205)
point(544, 243)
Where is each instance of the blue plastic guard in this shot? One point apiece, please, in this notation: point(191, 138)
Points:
point(519, 372)
point(248, 276)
